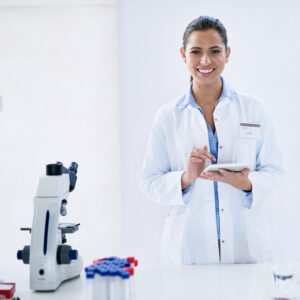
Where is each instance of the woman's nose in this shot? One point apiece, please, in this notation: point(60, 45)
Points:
point(205, 59)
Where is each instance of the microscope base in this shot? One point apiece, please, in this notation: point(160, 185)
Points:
point(62, 273)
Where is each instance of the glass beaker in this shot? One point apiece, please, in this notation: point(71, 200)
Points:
point(283, 279)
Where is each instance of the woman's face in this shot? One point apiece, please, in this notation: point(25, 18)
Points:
point(205, 56)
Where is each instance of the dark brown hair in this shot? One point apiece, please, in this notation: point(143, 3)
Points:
point(205, 23)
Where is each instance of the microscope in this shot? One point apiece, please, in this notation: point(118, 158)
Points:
point(51, 260)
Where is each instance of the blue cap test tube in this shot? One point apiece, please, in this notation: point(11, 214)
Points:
point(102, 283)
point(90, 269)
point(90, 282)
point(113, 284)
point(107, 280)
point(125, 286)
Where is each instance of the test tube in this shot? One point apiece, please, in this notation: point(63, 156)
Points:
point(130, 270)
point(125, 288)
point(113, 284)
point(97, 284)
point(90, 276)
point(103, 286)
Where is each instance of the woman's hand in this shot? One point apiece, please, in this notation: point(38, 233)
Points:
point(195, 166)
point(239, 180)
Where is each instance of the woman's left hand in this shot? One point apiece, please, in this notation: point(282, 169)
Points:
point(239, 180)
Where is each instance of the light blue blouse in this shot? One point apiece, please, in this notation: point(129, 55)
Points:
point(213, 145)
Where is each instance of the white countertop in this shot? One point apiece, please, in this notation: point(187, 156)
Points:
point(208, 282)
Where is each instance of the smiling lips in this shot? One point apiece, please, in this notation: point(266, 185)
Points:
point(205, 71)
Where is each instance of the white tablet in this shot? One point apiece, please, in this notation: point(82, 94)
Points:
point(230, 167)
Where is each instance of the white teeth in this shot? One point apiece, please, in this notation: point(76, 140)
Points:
point(205, 71)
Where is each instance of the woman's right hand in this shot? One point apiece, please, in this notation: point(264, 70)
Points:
point(195, 166)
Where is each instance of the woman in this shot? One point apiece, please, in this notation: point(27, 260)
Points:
point(212, 216)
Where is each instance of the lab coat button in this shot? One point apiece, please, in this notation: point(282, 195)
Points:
point(222, 209)
point(216, 119)
point(221, 147)
point(223, 241)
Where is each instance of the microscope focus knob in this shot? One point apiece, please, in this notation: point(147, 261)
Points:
point(65, 254)
point(24, 254)
point(73, 254)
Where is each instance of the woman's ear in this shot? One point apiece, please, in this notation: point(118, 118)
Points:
point(227, 54)
point(183, 54)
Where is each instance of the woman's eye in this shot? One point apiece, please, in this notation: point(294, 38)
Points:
point(195, 52)
point(215, 51)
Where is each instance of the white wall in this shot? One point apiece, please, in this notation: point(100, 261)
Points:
point(58, 80)
point(265, 61)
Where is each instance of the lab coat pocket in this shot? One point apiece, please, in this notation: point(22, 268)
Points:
point(172, 240)
point(249, 131)
point(258, 236)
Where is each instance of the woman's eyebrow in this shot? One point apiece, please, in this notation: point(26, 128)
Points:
point(197, 48)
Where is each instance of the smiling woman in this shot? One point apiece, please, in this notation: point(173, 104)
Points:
point(213, 217)
point(215, 51)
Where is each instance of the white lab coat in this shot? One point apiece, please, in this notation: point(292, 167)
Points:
point(190, 234)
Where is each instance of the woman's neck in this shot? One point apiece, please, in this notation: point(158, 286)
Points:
point(206, 95)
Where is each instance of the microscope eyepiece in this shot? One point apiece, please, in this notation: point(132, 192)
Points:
point(54, 170)
point(59, 169)
point(73, 167)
